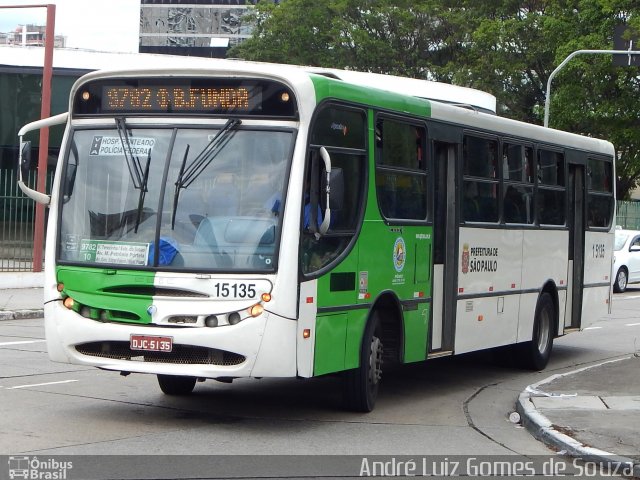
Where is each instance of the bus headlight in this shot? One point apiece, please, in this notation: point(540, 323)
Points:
point(256, 310)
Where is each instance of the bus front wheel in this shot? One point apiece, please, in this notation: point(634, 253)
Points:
point(361, 384)
point(176, 385)
point(536, 353)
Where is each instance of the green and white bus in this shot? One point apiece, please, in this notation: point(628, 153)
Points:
point(256, 220)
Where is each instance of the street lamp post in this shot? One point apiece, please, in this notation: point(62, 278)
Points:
point(547, 100)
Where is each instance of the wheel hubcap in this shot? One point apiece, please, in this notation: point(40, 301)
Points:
point(622, 279)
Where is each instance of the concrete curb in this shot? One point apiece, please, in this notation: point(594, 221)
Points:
point(21, 314)
point(542, 428)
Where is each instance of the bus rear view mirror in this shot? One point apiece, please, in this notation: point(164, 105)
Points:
point(25, 160)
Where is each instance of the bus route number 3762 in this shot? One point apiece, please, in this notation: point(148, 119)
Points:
point(234, 290)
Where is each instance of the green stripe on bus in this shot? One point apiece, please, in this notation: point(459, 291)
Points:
point(109, 294)
point(329, 88)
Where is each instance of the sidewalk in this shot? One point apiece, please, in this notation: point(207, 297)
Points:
point(592, 413)
point(21, 295)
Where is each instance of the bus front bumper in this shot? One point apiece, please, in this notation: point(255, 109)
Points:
point(261, 346)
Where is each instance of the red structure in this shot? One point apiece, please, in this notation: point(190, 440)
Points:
point(45, 111)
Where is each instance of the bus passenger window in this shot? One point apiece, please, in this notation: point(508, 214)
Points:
point(600, 193)
point(518, 178)
point(481, 184)
point(401, 177)
point(480, 203)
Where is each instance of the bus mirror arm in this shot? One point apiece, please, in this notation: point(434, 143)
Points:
point(326, 220)
point(24, 156)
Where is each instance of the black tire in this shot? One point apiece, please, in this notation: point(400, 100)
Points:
point(621, 280)
point(361, 384)
point(535, 354)
point(176, 385)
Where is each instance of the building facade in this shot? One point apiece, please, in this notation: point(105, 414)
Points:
point(205, 28)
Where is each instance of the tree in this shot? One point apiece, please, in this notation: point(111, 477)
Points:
point(505, 47)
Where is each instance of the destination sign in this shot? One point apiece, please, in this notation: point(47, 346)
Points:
point(180, 99)
point(185, 96)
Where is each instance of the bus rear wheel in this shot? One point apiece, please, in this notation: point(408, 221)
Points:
point(176, 385)
point(361, 384)
point(536, 353)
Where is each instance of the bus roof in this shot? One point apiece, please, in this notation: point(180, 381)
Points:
point(435, 91)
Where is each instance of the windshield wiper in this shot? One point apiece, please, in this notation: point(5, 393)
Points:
point(176, 192)
point(139, 177)
point(133, 162)
point(188, 174)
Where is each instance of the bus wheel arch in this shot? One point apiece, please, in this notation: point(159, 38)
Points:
point(381, 342)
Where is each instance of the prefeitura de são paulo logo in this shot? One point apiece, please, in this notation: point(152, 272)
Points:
point(399, 254)
point(465, 258)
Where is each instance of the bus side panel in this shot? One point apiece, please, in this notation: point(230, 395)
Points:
point(331, 339)
point(416, 323)
point(337, 292)
point(486, 322)
point(489, 280)
point(598, 251)
point(338, 341)
point(545, 258)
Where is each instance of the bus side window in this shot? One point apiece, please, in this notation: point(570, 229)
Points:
point(600, 193)
point(551, 203)
point(481, 183)
point(342, 131)
point(401, 176)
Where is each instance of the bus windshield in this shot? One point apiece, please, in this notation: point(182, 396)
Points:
point(174, 198)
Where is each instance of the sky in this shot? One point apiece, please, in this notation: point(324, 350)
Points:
point(106, 25)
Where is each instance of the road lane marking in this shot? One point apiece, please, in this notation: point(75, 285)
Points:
point(632, 324)
point(631, 297)
point(41, 384)
point(21, 342)
point(593, 328)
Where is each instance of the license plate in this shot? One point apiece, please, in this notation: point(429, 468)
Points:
point(151, 343)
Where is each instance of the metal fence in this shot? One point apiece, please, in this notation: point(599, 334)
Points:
point(628, 215)
point(17, 214)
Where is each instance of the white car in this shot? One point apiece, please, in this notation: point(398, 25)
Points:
point(626, 259)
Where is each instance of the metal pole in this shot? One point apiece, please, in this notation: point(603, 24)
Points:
point(45, 112)
point(547, 100)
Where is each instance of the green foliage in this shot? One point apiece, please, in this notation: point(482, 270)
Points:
point(506, 47)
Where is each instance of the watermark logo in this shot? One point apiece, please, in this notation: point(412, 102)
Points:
point(33, 468)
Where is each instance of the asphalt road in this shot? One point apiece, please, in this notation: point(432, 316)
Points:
point(445, 407)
